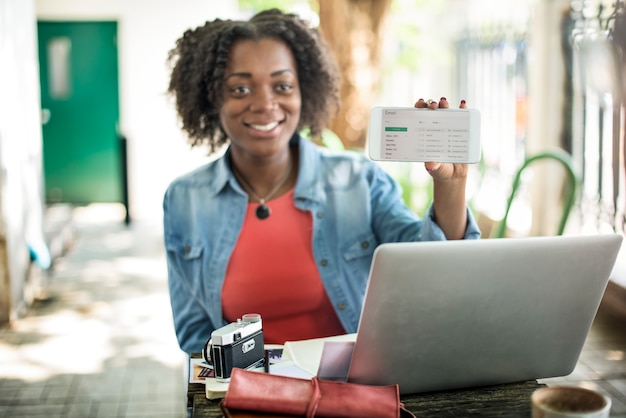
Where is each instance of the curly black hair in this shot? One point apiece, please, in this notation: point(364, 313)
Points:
point(198, 64)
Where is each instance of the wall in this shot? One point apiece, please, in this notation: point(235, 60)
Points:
point(148, 29)
point(20, 153)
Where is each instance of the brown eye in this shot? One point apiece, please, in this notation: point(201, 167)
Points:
point(239, 90)
point(284, 88)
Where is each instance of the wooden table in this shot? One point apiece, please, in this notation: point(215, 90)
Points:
point(511, 400)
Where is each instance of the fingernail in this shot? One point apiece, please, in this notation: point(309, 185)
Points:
point(443, 99)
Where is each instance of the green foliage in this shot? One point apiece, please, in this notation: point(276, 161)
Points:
point(416, 195)
point(411, 43)
point(328, 139)
point(286, 5)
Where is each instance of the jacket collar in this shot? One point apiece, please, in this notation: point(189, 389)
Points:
point(309, 186)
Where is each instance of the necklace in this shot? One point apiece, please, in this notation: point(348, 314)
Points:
point(262, 211)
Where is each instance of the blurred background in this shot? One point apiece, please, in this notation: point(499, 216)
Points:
point(87, 132)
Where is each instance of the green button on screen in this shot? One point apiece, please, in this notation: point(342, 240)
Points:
point(395, 129)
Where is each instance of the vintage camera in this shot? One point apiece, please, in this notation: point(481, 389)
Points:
point(239, 344)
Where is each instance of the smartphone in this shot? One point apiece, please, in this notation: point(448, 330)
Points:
point(411, 134)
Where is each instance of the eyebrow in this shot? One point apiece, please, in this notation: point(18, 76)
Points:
point(249, 75)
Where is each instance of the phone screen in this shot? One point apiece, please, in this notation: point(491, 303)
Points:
point(408, 134)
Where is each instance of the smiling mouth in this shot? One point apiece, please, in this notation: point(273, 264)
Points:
point(265, 128)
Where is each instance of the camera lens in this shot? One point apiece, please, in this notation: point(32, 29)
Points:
point(251, 317)
point(206, 352)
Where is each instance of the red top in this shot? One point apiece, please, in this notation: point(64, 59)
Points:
point(272, 272)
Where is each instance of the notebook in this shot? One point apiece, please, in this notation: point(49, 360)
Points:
point(456, 314)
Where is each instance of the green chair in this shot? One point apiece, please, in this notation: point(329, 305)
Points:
point(570, 195)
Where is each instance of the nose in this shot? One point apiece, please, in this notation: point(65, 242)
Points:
point(263, 100)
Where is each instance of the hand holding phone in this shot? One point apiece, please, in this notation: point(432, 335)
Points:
point(412, 134)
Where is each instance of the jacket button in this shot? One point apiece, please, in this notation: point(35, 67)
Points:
point(365, 245)
point(342, 306)
point(187, 248)
point(319, 215)
point(324, 262)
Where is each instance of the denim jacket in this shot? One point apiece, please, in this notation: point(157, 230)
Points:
point(355, 206)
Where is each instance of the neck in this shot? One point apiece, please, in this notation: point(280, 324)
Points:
point(264, 182)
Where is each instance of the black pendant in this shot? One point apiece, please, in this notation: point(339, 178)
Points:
point(262, 211)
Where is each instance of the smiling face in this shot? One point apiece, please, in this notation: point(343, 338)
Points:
point(262, 99)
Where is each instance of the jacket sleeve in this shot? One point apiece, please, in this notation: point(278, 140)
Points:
point(395, 222)
point(432, 232)
point(191, 322)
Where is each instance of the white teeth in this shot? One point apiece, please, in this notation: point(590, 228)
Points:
point(266, 128)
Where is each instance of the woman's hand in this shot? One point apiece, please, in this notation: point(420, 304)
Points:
point(449, 185)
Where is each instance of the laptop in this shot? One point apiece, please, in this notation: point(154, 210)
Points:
point(457, 314)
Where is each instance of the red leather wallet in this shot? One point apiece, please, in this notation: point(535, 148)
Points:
point(272, 394)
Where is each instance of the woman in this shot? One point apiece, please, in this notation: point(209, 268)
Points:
point(277, 225)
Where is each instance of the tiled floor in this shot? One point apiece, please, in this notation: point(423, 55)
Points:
point(101, 344)
point(602, 364)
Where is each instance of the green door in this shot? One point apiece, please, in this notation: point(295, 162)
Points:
point(80, 111)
